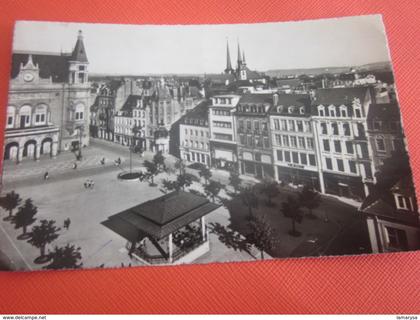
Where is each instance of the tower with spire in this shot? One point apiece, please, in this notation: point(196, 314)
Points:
point(229, 69)
point(241, 70)
point(78, 63)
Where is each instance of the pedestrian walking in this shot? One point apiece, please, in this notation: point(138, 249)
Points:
point(46, 175)
point(67, 223)
point(103, 161)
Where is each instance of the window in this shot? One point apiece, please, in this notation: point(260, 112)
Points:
point(302, 142)
point(324, 129)
point(321, 111)
point(256, 126)
point(266, 144)
point(343, 111)
point(397, 238)
point(334, 127)
point(279, 155)
point(249, 141)
point(303, 158)
point(291, 124)
point(310, 143)
point(11, 111)
point(326, 145)
point(337, 146)
point(312, 161)
point(293, 142)
point(9, 121)
point(258, 141)
point(332, 111)
point(242, 139)
point(377, 125)
point(276, 124)
point(25, 116)
point(308, 126)
point(352, 166)
point(380, 144)
point(358, 113)
point(299, 125)
point(258, 156)
point(328, 163)
point(295, 157)
point(346, 129)
point(340, 165)
point(286, 141)
point(403, 202)
point(220, 124)
point(349, 147)
point(248, 125)
point(283, 124)
point(287, 156)
point(278, 139)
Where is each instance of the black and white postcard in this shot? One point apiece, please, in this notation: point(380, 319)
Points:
point(145, 145)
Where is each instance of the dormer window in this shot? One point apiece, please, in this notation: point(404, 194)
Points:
point(343, 111)
point(302, 110)
point(403, 202)
point(280, 109)
point(290, 109)
point(321, 111)
point(332, 111)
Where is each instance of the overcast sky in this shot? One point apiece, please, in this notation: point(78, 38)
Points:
point(141, 49)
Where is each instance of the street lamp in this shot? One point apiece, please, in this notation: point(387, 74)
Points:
point(80, 129)
point(135, 130)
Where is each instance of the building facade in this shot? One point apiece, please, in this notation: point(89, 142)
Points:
point(292, 137)
point(48, 107)
point(255, 155)
point(340, 131)
point(194, 135)
point(223, 141)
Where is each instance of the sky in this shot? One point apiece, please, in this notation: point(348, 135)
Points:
point(145, 49)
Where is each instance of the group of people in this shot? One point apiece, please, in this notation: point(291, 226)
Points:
point(89, 184)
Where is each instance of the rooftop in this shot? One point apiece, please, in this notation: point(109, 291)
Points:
point(340, 96)
point(161, 216)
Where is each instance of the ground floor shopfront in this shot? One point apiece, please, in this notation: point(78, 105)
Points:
point(298, 176)
point(345, 186)
point(223, 155)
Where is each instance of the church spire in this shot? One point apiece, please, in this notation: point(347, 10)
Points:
point(243, 56)
point(228, 62)
point(79, 52)
point(239, 55)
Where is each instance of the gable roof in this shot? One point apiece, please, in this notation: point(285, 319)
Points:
point(288, 100)
point(256, 98)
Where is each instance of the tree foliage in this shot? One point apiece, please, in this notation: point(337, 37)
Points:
point(249, 199)
point(182, 181)
point(235, 180)
point(310, 199)
point(10, 202)
point(270, 190)
point(205, 173)
point(261, 234)
point(153, 168)
point(43, 234)
point(25, 215)
point(212, 189)
point(67, 257)
point(291, 209)
point(231, 239)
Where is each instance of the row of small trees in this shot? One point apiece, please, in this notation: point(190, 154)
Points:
point(40, 235)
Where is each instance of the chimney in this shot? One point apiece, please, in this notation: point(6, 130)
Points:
point(275, 99)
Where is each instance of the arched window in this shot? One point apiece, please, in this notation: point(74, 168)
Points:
point(40, 115)
point(11, 113)
point(302, 110)
point(79, 112)
point(25, 113)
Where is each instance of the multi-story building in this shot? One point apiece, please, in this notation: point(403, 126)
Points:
point(384, 132)
point(223, 146)
point(48, 107)
point(393, 219)
point(292, 138)
point(253, 135)
point(340, 132)
point(195, 135)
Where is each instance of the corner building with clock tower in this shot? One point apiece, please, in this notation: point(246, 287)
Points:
point(47, 111)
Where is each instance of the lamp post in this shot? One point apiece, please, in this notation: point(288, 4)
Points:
point(80, 129)
point(135, 131)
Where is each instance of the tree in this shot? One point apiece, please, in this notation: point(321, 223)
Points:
point(152, 171)
point(270, 189)
point(291, 209)
point(310, 199)
point(25, 216)
point(180, 165)
point(230, 238)
point(10, 202)
point(261, 234)
point(43, 234)
point(182, 181)
point(249, 199)
point(212, 189)
point(67, 257)
point(234, 180)
point(159, 161)
point(205, 173)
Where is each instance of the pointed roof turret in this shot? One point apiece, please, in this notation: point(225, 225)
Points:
point(243, 56)
point(79, 52)
point(239, 55)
